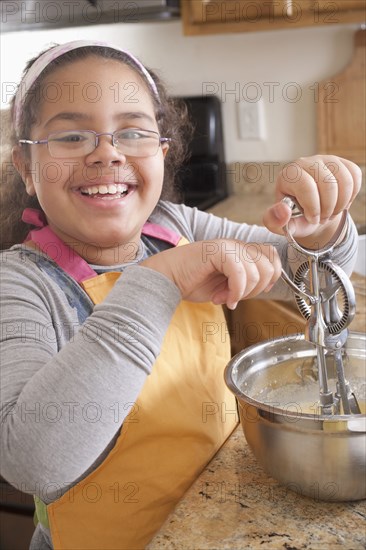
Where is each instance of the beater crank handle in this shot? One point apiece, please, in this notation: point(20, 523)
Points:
point(297, 211)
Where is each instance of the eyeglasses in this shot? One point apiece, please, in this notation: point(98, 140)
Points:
point(131, 142)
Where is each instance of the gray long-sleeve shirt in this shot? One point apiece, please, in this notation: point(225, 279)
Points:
point(70, 370)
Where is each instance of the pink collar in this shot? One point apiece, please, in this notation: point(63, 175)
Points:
point(65, 256)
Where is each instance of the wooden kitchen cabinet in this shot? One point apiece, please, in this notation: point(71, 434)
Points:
point(228, 11)
point(341, 108)
point(226, 16)
point(256, 320)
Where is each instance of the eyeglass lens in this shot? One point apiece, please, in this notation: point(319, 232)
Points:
point(134, 143)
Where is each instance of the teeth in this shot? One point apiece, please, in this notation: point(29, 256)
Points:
point(110, 189)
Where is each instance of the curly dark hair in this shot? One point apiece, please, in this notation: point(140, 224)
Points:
point(171, 116)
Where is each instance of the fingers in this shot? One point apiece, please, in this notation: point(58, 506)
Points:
point(265, 261)
point(335, 188)
point(276, 217)
point(252, 271)
point(322, 185)
point(356, 174)
point(236, 281)
point(222, 271)
point(313, 185)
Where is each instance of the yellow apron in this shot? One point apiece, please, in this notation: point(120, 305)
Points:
point(182, 416)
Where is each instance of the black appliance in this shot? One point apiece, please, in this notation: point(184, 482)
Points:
point(203, 177)
point(16, 518)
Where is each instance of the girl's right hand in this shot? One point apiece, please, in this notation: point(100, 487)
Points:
point(221, 271)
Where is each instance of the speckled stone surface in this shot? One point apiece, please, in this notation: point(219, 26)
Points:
point(235, 505)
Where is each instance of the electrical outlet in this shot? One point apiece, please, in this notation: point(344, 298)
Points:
point(251, 120)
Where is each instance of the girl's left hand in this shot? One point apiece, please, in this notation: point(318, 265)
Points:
point(323, 186)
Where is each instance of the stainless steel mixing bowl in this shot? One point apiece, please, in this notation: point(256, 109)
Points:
point(316, 455)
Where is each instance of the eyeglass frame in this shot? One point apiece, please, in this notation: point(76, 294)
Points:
point(96, 135)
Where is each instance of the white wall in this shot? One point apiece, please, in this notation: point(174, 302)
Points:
point(289, 61)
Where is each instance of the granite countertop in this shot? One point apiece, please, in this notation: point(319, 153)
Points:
point(235, 505)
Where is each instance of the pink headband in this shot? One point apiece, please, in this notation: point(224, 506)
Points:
point(41, 63)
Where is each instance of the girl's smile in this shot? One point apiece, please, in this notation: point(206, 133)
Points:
point(108, 190)
point(103, 197)
point(106, 193)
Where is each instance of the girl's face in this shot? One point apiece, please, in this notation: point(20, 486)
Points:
point(103, 96)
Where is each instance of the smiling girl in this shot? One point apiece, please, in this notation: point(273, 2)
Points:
point(112, 395)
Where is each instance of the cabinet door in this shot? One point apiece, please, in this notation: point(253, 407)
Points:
point(341, 108)
point(326, 11)
point(254, 321)
point(237, 11)
point(331, 6)
point(225, 16)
